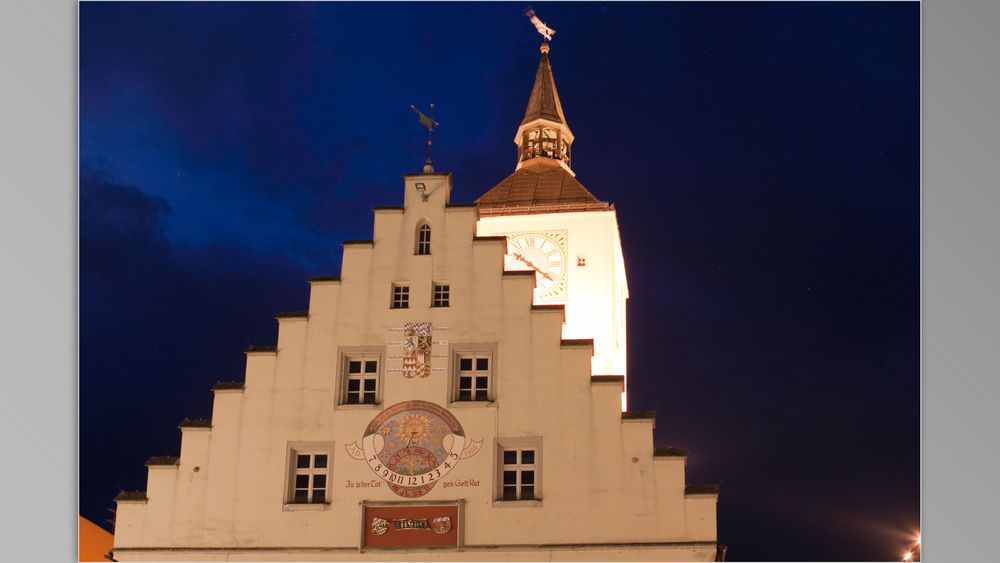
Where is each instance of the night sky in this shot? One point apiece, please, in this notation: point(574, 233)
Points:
point(763, 159)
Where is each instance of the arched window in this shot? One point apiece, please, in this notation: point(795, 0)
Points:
point(424, 239)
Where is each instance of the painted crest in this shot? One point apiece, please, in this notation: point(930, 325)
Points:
point(379, 526)
point(441, 524)
point(417, 343)
point(413, 445)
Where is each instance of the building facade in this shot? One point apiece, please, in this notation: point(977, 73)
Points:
point(457, 393)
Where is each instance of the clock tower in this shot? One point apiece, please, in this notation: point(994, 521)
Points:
point(559, 229)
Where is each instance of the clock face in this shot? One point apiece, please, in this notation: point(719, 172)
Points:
point(543, 252)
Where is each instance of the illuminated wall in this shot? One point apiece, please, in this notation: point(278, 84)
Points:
point(421, 468)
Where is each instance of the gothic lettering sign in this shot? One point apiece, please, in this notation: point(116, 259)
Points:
point(412, 446)
point(403, 526)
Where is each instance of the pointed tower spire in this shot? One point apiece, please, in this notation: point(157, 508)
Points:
point(544, 100)
point(544, 137)
point(542, 181)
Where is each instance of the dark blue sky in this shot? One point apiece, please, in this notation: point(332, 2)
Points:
point(763, 158)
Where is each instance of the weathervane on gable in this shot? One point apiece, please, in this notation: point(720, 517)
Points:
point(546, 31)
point(430, 124)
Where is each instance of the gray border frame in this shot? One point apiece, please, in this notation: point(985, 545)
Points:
point(959, 269)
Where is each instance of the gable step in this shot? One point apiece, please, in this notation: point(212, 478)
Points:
point(159, 460)
point(195, 423)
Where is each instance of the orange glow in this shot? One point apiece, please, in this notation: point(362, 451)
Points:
point(907, 555)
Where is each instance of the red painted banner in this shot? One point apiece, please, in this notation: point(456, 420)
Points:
point(411, 526)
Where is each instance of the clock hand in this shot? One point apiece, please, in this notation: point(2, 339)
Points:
point(521, 257)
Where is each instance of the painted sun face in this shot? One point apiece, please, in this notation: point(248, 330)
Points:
point(545, 253)
point(413, 428)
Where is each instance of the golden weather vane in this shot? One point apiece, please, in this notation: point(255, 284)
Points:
point(428, 122)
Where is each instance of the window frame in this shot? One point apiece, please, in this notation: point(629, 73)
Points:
point(434, 294)
point(312, 449)
point(346, 354)
point(518, 444)
point(405, 303)
point(476, 350)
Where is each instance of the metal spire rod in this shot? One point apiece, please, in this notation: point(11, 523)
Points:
point(430, 124)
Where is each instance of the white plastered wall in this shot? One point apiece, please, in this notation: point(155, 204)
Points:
point(601, 484)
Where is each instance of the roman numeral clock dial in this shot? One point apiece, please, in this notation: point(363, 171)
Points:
point(545, 253)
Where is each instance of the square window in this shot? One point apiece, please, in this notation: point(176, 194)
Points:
point(309, 477)
point(400, 296)
point(519, 469)
point(441, 296)
point(360, 378)
point(473, 376)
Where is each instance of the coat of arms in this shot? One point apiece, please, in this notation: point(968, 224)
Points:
point(416, 349)
point(441, 524)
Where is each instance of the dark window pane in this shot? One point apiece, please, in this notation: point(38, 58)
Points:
point(302, 462)
point(354, 366)
point(482, 382)
point(370, 385)
point(320, 461)
point(465, 364)
point(301, 481)
point(353, 385)
point(510, 457)
point(509, 493)
point(481, 395)
point(371, 366)
point(482, 364)
point(352, 398)
point(369, 398)
point(510, 477)
point(319, 481)
point(528, 493)
point(465, 382)
point(302, 496)
point(319, 496)
point(528, 457)
point(527, 477)
point(464, 395)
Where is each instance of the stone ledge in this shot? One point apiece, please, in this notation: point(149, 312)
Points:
point(257, 349)
point(228, 385)
point(607, 379)
point(324, 279)
point(292, 315)
point(639, 415)
point(161, 460)
point(702, 489)
point(670, 452)
point(195, 423)
point(131, 496)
